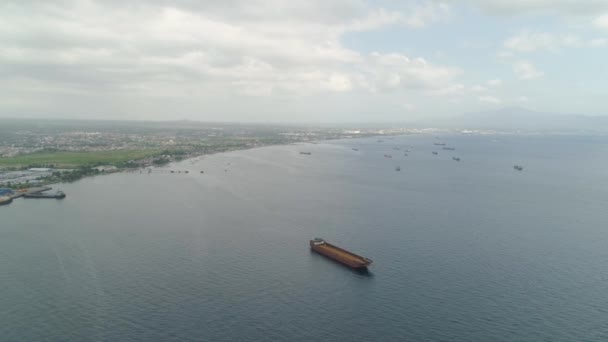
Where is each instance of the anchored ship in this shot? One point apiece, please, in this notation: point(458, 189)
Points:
point(57, 195)
point(5, 200)
point(338, 254)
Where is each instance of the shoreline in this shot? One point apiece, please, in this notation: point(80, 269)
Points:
point(172, 160)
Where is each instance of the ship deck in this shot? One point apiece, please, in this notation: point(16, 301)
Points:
point(341, 253)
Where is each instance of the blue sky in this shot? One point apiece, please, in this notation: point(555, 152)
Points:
point(313, 61)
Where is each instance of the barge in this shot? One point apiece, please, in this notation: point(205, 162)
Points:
point(338, 254)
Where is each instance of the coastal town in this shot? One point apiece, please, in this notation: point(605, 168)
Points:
point(38, 153)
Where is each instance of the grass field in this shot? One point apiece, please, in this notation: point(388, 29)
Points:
point(75, 159)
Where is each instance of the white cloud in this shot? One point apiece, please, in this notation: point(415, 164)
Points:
point(489, 99)
point(408, 107)
point(479, 88)
point(256, 48)
point(601, 21)
point(598, 42)
point(537, 41)
point(494, 83)
point(526, 70)
point(566, 8)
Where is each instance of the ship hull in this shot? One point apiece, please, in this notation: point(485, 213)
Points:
point(340, 255)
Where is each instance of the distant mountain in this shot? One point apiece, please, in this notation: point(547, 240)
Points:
point(522, 119)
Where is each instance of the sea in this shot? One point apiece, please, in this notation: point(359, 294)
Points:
point(469, 250)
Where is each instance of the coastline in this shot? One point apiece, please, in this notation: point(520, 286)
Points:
point(91, 171)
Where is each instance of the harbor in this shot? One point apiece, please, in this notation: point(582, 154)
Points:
point(8, 195)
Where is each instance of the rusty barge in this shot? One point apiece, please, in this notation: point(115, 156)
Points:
point(338, 254)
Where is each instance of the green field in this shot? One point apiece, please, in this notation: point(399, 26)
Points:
point(75, 159)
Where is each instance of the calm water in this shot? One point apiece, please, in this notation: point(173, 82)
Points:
point(463, 251)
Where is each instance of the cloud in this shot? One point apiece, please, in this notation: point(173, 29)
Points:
point(489, 99)
point(598, 42)
point(536, 41)
point(253, 48)
point(601, 21)
point(566, 8)
point(494, 83)
point(526, 70)
point(479, 88)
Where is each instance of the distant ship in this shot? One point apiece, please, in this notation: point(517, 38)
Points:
point(449, 148)
point(355, 149)
point(396, 148)
point(57, 195)
point(338, 254)
point(388, 156)
point(518, 167)
point(307, 153)
point(5, 200)
point(456, 158)
point(439, 144)
point(435, 153)
point(398, 168)
point(380, 140)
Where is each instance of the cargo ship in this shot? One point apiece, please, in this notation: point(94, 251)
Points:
point(338, 254)
point(57, 195)
point(5, 200)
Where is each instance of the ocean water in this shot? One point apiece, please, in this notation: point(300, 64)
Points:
point(463, 251)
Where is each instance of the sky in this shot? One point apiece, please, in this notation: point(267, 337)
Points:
point(313, 61)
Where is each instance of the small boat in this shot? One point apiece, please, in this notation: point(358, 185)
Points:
point(449, 148)
point(380, 140)
point(456, 158)
point(398, 168)
point(518, 167)
point(439, 144)
point(355, 149)
point(306, 153)
point(396, 148)
point(202, 171)
point(405, 154)
point(388, 156)
point(435, 153)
